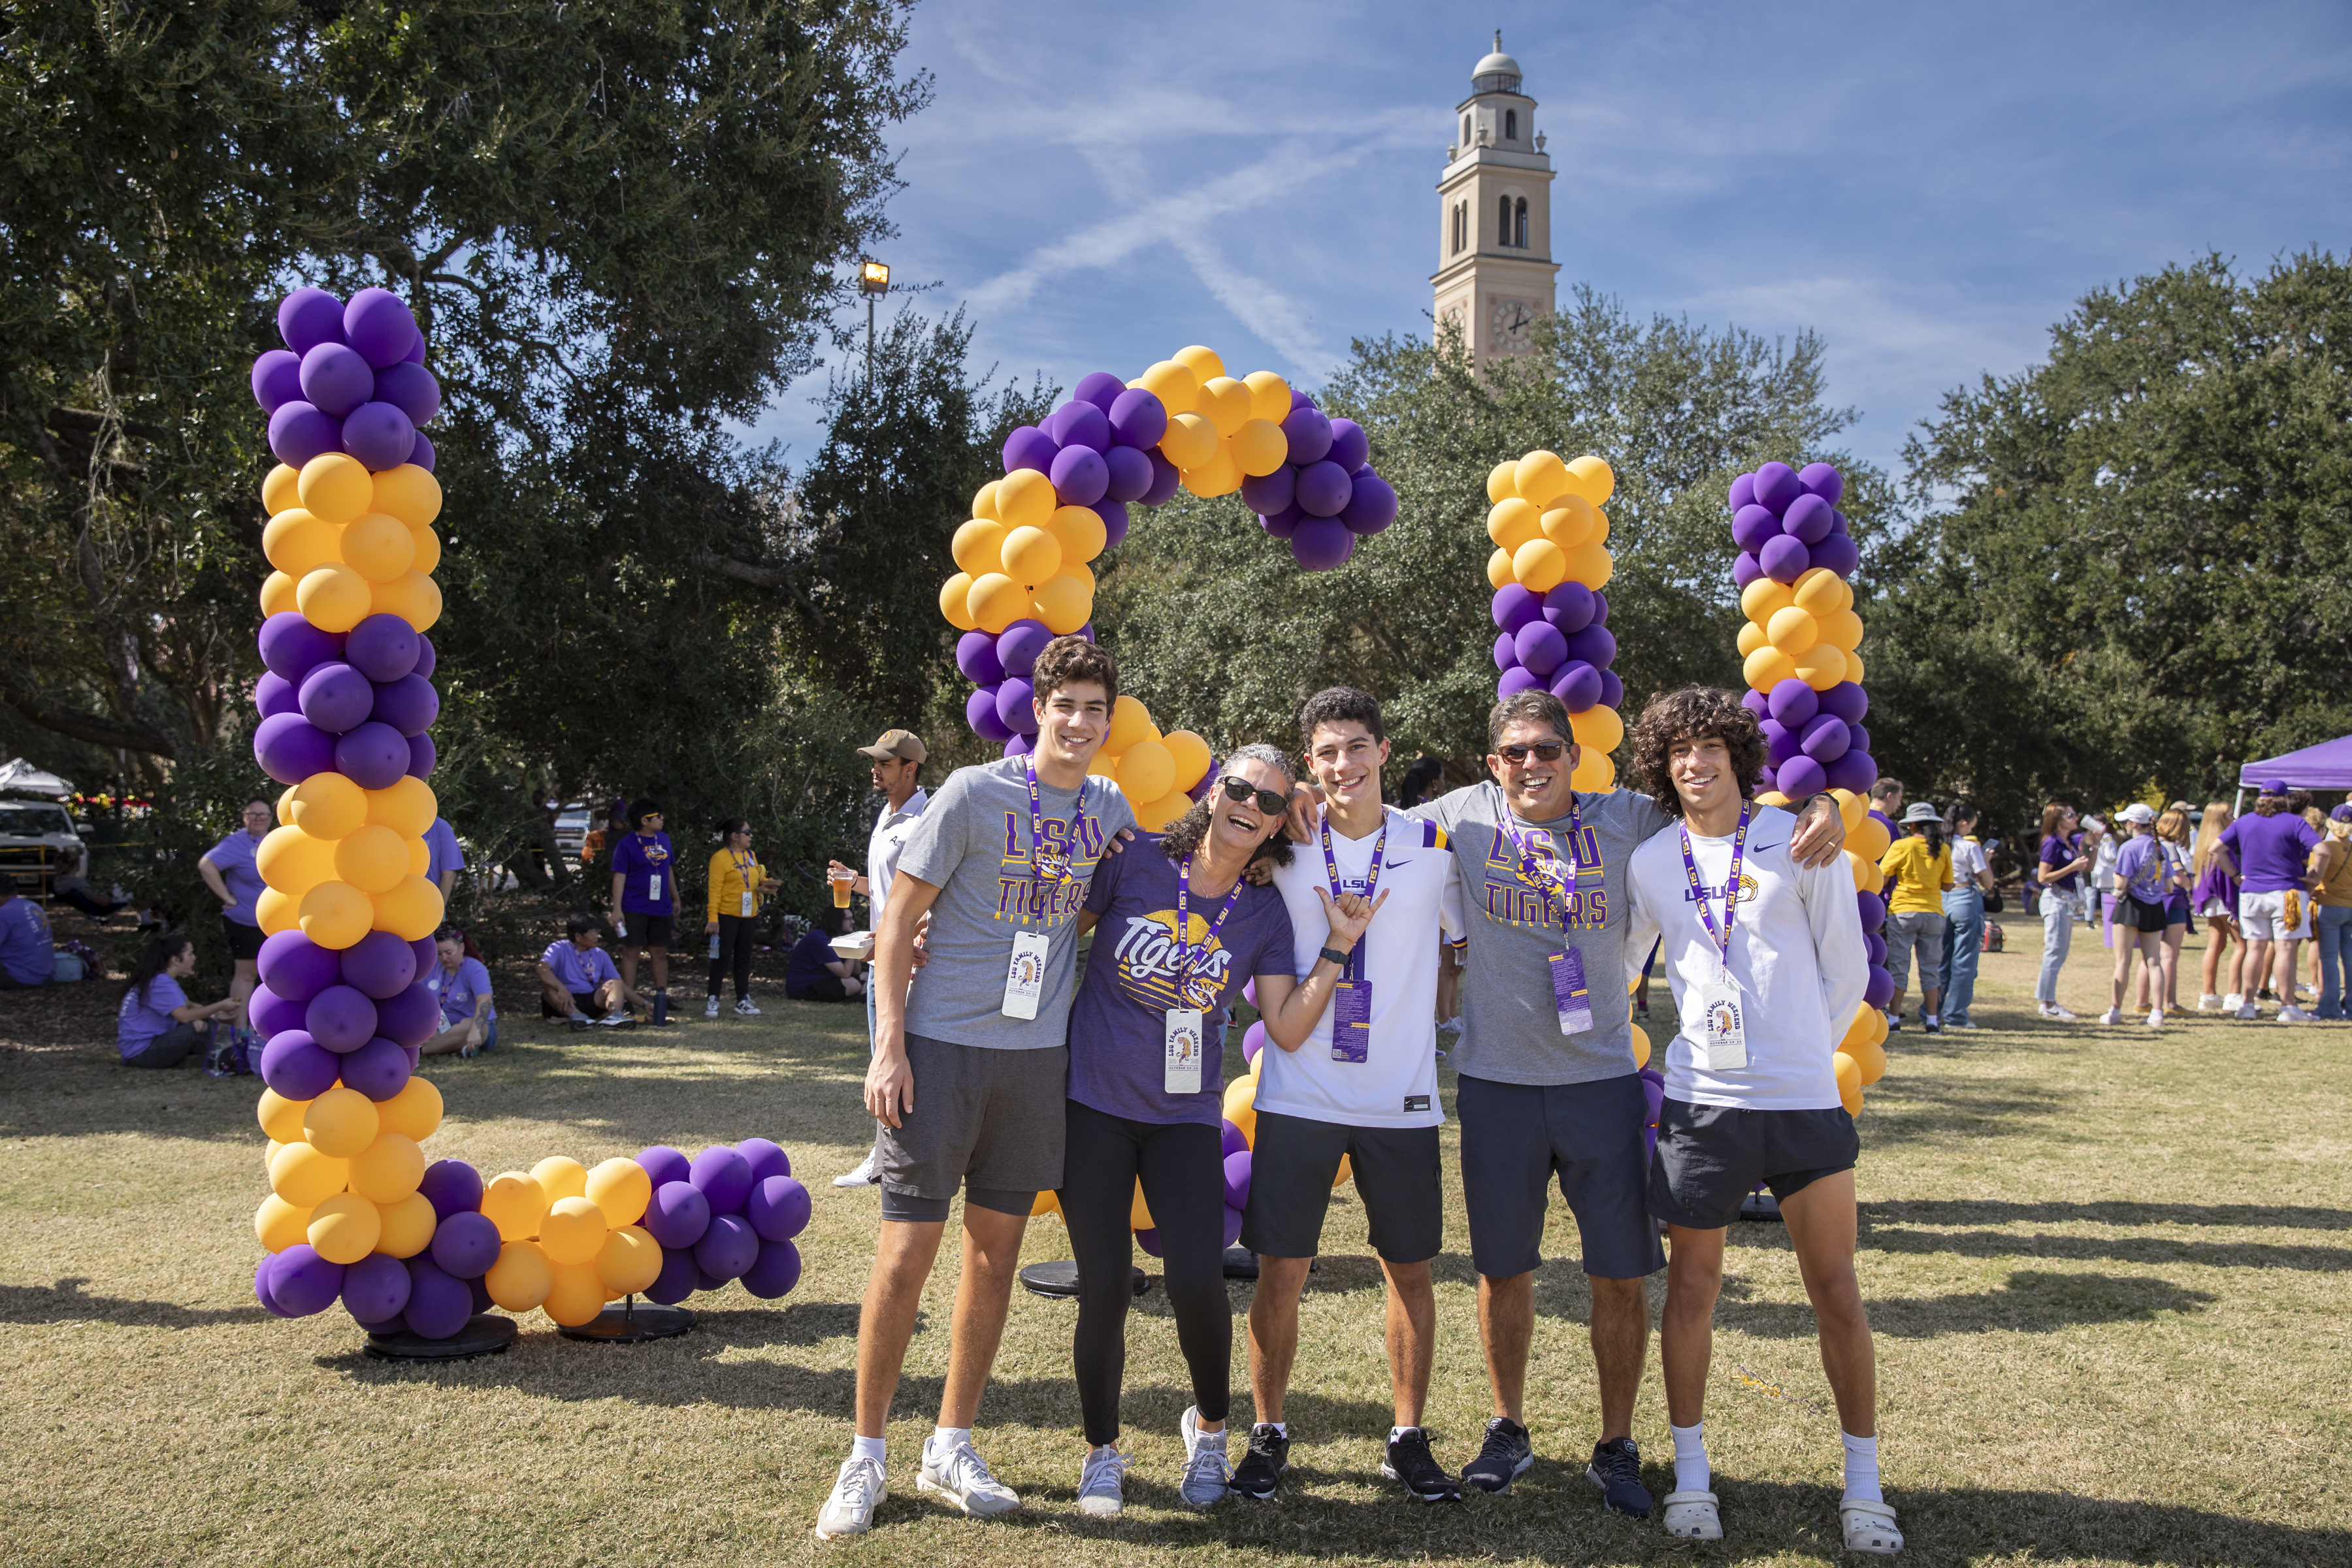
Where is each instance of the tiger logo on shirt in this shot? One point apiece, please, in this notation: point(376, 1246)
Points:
point(1147, 956)
point(1522, 894)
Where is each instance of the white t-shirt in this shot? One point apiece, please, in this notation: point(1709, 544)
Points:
point(1396, 1086)
point(1968, 859)
point(1796, 953)
point(891, 831)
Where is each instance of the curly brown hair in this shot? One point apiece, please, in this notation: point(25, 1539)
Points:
point(1184, 835)
point(1069, 659)
point(1695, 713)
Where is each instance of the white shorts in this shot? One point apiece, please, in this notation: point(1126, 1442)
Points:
point(2262, 917)
point(2216, 909)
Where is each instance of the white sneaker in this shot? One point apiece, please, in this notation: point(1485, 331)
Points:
point(1098, 1482)
point(2291, 1013)
point(615, 1018)
point(2208, 1003)
point(743, 1008)
point(710, 1008)
point(2053, 1010)
point(1207, 1476)
point(960, 1476)
point(857, 1492)
point(861, 1177)
point(2112, 1016)
point(2232, 1001)
point(2249, 1011)
point(2156, 1017)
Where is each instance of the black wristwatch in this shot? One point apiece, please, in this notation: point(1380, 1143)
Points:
point(1339, 958)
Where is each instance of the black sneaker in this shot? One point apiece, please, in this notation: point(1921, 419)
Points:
point(1261, 1470)
point(1616, 1469)
point(1410, 1463)
point(1503, 1457)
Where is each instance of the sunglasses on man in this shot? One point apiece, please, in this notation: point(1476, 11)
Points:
point(1542, 751)
point(1268, 801)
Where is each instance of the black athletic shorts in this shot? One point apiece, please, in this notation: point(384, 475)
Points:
point(2142, 914)
point(1518, 1138)
point(1295, 1164)
point(244, 941)
point(583, 1000)
point(648, 931)
point(1710, 1157)
point(824, 988)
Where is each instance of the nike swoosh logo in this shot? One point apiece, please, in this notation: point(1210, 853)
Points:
point(1395, 865)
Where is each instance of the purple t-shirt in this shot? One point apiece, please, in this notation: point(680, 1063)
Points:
point(2141, 867)
point(2059, 850)
point(147, 1014)
point(470, 982)
point(233, 858)
point(2272, 851)
point(441, 850)
point(27, 952)
point(581, 970)
point(651, 884)
point(1118, 1033)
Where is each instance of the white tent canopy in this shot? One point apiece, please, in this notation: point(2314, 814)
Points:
point(21, 777)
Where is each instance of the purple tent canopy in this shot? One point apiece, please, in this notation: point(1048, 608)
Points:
point(2327, 765)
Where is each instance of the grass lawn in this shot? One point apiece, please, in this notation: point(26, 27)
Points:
point(2107, 1267)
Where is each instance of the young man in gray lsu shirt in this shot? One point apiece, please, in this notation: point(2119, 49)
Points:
point(1547, 1081)
point(968, 1068)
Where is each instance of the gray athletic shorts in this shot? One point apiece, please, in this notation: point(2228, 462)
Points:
point(1710, 1157)
point(1516, 1136)
point(987, 1121)
point(1295, 1161)
point(1920, 929)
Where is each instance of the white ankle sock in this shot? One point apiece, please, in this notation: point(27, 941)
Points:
point(942, 1438)
point(1862, 1469)
point(868, 1448)
point(1394, 1432)
point(1691, 1470)
point(1281, 1426)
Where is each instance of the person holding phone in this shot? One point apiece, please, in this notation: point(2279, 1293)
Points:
point(2063, 862)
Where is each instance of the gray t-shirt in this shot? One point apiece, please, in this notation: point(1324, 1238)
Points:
point(972, 844)
point(1510, 1022)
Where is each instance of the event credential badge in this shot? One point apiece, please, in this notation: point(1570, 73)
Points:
point(1722, 1044)
point(1180, 1063)
point(1025, 980)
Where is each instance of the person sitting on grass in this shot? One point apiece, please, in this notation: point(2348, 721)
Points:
point(577, 981)
point(158, 1026)
point(28, 954)
point(461, 983)
point(73, 886)
point(817, 973)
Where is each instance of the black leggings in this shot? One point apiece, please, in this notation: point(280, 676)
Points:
point(1184, 1172)
point(735, 933)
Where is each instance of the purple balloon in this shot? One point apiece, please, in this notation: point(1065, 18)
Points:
point(1081, 476)
point(676, 1281)
point(1855, 771)
point(409, 705)
point(1743, 491)
point(1878, 991)
point(766, 1158)
point(272, 1014)
point(1101, 388)
point(335, 380)
point(1233, 1217)
point(1756, 702)
point(303, 1282)
point(1231, 1137)
point(1138, 418)
point(378, 326)
point(1540, 647)
point(410, 1018)
point(379, 965)
point(1029, 448)
point(1114, 516)
point(1801, 777)
point(1514, 606)
point(291, 646)
point(1578, 685)
point(1744, 570)
point(1837, 521)
point(778, 1208)
point(1130, 472)
point(1018, 646)
point(299, 432)
point(309, 317)
point(1015, 697)
point(1847, 700)
point(1019, 746)
point(1809, 520)
point(379, 435)
point(452, 1187)
point(262, 1272)
point(290, 748)
point(1599, 609)
point(976, 656)
point(1613, 690)
point(1308, 435)
point(464, 1245)
point(422, 454)
point(728, 1248)
point(1871, 909)
point(340, 1017)
point(724, 1177)
point(678, 1213)
point(1320, 543)
point(1507, 651)
point(1596, 644)
point(1285, 523)
point(297, 1065)
point(774, 1271)
point(664, 1164)
point(438, 1305)
point(1371, 505)
point(1164, 479)
point(383, 647)
point(277, 380)
point(1874, 949)
point(1753, 526)
point(427, 953)
point(1823, 481)
point(1237, 1180)
point(274, 694)
point(1254, 1041)
point(979, 712)
point(375, 1288)
point(1572, 607)
point(1838, 552)
point(1268, 493)
point(1794, 703)
point(1775, 486)
point(421, 756)
point(412, 389)
point(1324, 488)
point(335, 697)
point(1781, 742)
point(1350, 447)
point(295, 967)
point(373, 755)
point(426, 658)
point(415, 354)
point(1079, 423)
point(1515, 681)
point(1826, 738)
point(1784, 559)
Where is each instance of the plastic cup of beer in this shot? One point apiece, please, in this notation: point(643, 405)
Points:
point(842, 883)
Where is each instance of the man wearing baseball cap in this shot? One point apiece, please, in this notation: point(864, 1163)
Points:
point(897, 758)
point(2331, 893)
point(2273, 849)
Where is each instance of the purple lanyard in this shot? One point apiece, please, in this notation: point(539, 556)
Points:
point(1533, 868)
point(1721, 939)
point(1331, 862)
point(1184, 923)
point(1046, 865)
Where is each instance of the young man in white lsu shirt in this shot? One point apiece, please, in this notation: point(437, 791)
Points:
point(1767, 961)
point(1363, 1087)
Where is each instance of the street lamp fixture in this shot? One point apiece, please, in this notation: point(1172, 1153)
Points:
point(874, 277)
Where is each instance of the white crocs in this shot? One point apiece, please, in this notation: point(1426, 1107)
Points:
point(1869, 1529)
point(1692, 1516)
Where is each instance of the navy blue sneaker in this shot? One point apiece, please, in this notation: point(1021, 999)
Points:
point(1616, 1469)
point(1503, 1457)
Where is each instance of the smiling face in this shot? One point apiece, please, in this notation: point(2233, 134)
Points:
point(1073, 722)
point(258, 817)
point(1536, 786)
point(1239, 827)
point(1701, 769)
point(1346, 762)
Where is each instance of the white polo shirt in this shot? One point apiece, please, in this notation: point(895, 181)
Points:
point(891, 831)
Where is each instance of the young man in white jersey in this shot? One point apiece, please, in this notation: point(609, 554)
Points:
point(1767, 966)
point(1363, 1087)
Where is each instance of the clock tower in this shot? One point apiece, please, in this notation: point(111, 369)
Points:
point(1494, 271)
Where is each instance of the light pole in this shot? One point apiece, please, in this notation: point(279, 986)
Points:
point(873, 280)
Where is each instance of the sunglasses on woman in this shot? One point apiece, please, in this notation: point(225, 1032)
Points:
point(1543, 752)
point(1268, 801)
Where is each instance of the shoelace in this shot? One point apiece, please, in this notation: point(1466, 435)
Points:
point(966, 1470)
point(1207, 1463)
point(1499, 1444)
point(858, 1482)
point(1619, 1464)
point(1103, 1469)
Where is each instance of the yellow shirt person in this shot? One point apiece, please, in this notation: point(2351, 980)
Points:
point(1920, 874)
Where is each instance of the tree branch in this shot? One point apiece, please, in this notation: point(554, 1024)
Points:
point(17, 690)
point(759, 577)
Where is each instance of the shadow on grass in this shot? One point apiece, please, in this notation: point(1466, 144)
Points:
point(2032, 1303)
point(2120, 1249)
point(64, 1303)
point(1996, 1211)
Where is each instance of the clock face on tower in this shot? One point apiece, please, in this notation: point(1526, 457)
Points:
point(1507, 322)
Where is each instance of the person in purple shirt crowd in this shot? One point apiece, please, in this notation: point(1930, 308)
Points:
point(815, 973)
point(460, 981)
point(157, 1026)
point(645, 900)
point(2061, 862)
point(577, 981)
point(2214, 898)
point(28, 953)
point(2145, 877)
point(229, 870)
point(2273, 849)
point(444, 859)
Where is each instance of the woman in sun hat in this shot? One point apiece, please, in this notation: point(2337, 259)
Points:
point(1921, 864)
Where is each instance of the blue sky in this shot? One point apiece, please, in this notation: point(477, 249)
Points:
point(1930, 190)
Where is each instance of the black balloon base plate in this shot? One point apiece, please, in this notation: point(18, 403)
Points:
point(484, 1334)
point(1060, 1277)
point(631, 1324)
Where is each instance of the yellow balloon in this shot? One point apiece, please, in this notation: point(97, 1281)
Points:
point(279, 595)
point(373, 859)
point(1502, 481)
point(1080, 532)
point(340, 1122)
point(379, 547)
point(1590, 565)
point(1877, 1027)
point(1570, 522)
point(1792, 630)
point(1511, 522)
point(281, 1117)
point(388, 1170)
point(997, 601)
point(297, 541)
point(560, 1176)
point(1871, 1058)
point(1202, 362)
point(407, 1226)
point(293, 862)
point(286, 806)
point(336, 914)
point(1130, 722)
point(1594, 774)
point(515, 1203)
point(345, 1228)
point(336, 486)
point(1241, 1107)
point(281, 489)
point(1870, 839)
point(1857, 1029)
point(408, 493)
point(1640, 1047)
point(1853, 667)
point(1818, 590)
point(629, 1260)
point(1269, 395)
point(1762, 598)
point(406, 805)
point(420, 859)
point(1820, 665)
point(1340, 1176)
point(1767, 668)
point(1146, 770)
point(573, 1230)
point(1751, 637)
point(1155, 816)
point(412, 910)
point(978, 546)
point(1220, 476)
point(620, 1189)
point(520, 1279)
point(333, 598)
point(1031, 555)
point(1139, 1212)
point(1191, 755)
point(1103, 765)
point(1539, 566)
point(1173, 384)
point(1192, 440)
point(414, 1112)
point(1852, 808)
point(1024, 499)
point(1540, 477)
point(1849, 1082)
point(1499, 569)
point(275, 911)
point(1598, 729)
point(1064, 602)
point(1226, 403)
point(984, 503)
point(1600, 535)
point(280, 1225)
point(1047, 1201)
point(327, 806)
point(1774, 797)
point(413, 596)
point(1841, 629)
point(1867, 877)
point(575, 1294)
point(428, 550)
point(1592, 479)
point(955, 602)
point(1259, 448)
